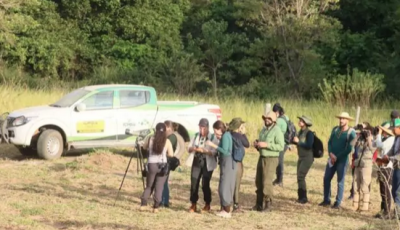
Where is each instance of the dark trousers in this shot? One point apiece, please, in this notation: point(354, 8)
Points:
point(396, 188)
point(153, 177)
point(200, 172)
point(279, 168)
point(385, 179)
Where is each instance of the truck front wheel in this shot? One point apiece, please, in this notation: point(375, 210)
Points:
point(50, 144)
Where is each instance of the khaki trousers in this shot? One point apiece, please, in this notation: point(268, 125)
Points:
point(362, 179)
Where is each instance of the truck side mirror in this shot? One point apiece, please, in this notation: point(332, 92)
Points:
point(80, 107)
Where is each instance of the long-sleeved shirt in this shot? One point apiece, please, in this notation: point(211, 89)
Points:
point(341, 143)
point(308, 143)
point(394, 153)
point(242, 137)
point(384, 147)
point(275, 140)
point(281, 123)
point(225, 144)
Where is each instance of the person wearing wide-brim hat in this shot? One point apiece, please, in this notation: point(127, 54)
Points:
point(240, 141)
point(271, 141)
point(340, 145)
point(304, 141)
point(384, 142)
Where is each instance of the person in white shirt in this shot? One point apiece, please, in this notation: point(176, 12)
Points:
point(159, 148)
point(384, 141)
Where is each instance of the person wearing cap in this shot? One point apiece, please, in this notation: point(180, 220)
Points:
point(238, 132)
point(340, 145)
point(393, 115)
point(393, 156)
point(304, 141)
point(383, 142)
point(270, 143)
point(203, 165)
point(281, 122)
point(363, 169)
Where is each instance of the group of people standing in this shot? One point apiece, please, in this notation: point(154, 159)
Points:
point(225, 147)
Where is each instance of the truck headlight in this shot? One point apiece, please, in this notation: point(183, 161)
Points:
point(22, 120)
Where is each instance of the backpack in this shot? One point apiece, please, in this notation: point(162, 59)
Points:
point(237, 150)
point(348, 132)
point(318, 147)
point(290, 131)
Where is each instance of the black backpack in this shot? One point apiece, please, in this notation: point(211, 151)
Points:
point(290, 132)
point(318, 147)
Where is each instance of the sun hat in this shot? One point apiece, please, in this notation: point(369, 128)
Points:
point(345, 115)
point(386, 128)
point(307, 120)
point(271, 115)
point(235, 123)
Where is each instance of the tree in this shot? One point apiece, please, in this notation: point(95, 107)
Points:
point(214, 48)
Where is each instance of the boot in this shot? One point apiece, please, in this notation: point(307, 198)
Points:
point(303, 196)
point(267, 206)
point(193, 208)
point(356, 200)
point(299, 195)
point(207, 208)
point(257, 207)
point(365, 203)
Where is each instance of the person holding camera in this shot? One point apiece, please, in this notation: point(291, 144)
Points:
point(159, 148)
point(363, 169)
point(304, 141)
point(203, 161)
point(340, 145)
point(393, 156)
point(384, 142)
point(271, 141)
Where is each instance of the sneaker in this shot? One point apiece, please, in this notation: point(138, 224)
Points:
point(224, 214)
point(192, 208)
point(207, 208)
point(325, 204)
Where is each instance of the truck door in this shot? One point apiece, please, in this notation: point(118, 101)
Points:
point(136, 112)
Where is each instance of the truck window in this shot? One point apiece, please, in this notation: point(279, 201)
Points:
point(133, 98)
point(100, 100)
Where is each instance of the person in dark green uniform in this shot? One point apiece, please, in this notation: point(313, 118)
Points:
point(173, 139)
point(304, 141)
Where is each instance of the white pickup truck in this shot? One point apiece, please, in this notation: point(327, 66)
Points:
point(98, 116)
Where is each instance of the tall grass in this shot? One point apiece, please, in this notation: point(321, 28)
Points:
point(323, 114)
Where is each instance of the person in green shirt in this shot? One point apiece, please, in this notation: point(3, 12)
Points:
point(281, 122)
point(227, 168)
point(270, 143)
point(340, 145)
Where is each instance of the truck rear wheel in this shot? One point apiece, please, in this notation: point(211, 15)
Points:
point(50, 144)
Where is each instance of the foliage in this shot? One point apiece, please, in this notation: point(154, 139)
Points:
point(258, 48)
point(357, 88)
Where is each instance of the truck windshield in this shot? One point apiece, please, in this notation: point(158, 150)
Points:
point(70, 98)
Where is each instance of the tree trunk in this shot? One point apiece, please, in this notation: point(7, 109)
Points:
point(214, 82)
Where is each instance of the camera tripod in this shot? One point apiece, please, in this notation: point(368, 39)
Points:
point(140, 159)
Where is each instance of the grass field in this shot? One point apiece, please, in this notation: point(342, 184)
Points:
point(79, 190)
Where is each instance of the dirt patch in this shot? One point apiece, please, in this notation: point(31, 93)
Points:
point(107, 161)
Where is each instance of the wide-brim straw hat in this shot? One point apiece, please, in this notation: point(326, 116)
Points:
point(307, 120)
point(345, 115)
point(386, 129)
point(271, 115)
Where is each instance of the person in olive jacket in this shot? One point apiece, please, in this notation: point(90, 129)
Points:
point(304, 141)
point(270, 143)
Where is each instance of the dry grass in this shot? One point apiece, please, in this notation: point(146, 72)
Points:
point(79, 190)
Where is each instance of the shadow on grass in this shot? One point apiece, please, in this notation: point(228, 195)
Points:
point(88, 225)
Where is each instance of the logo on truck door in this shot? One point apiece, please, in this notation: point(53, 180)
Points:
point(90, 127)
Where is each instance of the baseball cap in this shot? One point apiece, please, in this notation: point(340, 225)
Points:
point(394, 114)
point(203, 122)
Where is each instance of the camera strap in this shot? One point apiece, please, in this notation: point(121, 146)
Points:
point(362, 154)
